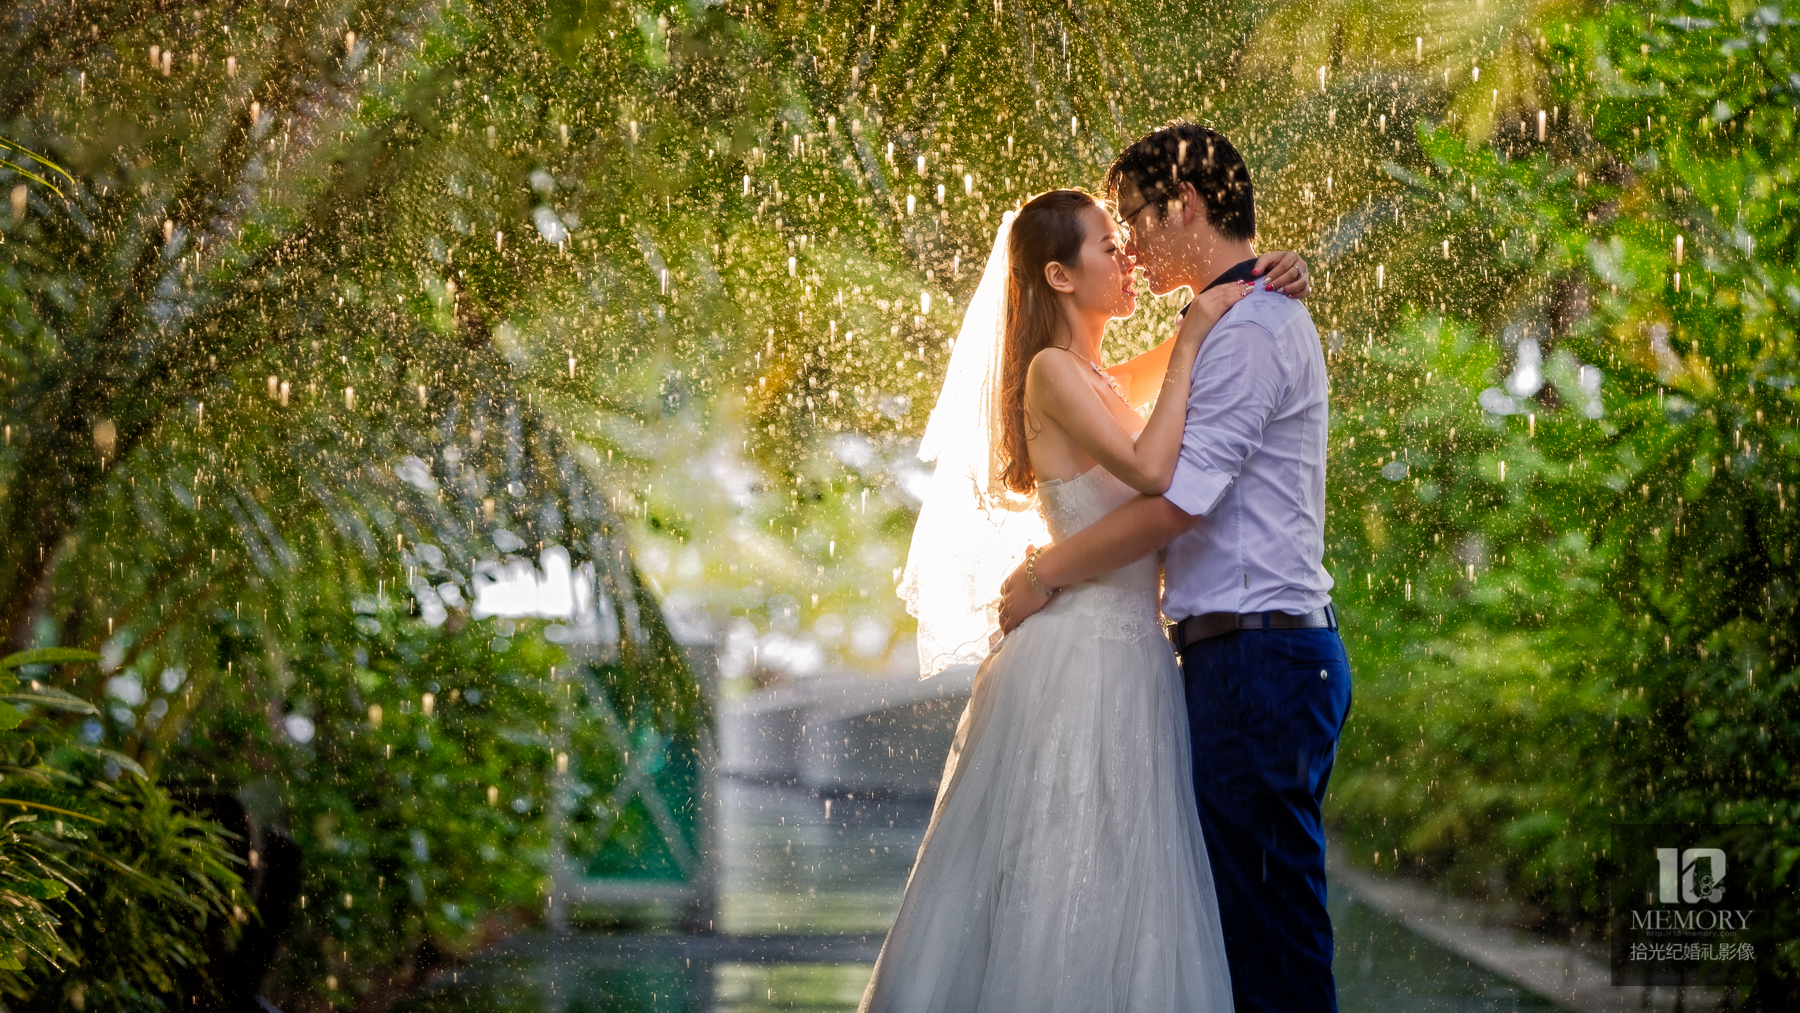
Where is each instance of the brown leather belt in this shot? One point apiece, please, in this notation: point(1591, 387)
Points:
point(1194, 629)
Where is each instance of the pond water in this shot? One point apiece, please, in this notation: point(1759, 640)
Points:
point(806, 898)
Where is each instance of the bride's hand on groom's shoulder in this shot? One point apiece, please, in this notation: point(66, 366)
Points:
point(1207, 308)
point(1019, 601)
point(1284, 271)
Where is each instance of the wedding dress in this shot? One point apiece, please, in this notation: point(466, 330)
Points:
point(1063, 869)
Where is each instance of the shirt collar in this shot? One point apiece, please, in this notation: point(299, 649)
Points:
point(1244, 270)
point(1241, 271)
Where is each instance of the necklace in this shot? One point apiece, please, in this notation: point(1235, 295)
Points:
point(1101, 373)
point(1110, 381)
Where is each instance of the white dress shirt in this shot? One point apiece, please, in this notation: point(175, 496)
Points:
point(1252, 466)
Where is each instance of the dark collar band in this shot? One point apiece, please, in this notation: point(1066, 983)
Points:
point(1242, 271)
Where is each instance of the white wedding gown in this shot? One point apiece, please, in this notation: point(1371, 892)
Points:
point(1064, 868)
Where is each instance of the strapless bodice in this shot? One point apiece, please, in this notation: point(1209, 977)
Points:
point(1127, 601)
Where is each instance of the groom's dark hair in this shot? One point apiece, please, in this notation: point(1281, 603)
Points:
point(1181, 152)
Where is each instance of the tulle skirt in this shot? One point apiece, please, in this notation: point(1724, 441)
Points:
point(1064, 868)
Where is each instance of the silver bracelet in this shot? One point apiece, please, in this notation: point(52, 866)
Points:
point(1031, 573)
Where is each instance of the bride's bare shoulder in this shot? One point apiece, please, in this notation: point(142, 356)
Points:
point(1052, 372)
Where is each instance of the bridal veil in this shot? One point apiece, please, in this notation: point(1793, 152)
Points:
point(972, 530)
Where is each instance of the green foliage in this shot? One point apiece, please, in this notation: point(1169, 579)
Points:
point(153, 880)
point(23, 161)
point(1603, 632)
point(265, 392)
point(419, 798)
point(109, 889)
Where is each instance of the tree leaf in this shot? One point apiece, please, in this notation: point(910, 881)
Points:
point(124, 762)
point(43, 889)
point(10, 717)
point(55, 699)
point(48, 656)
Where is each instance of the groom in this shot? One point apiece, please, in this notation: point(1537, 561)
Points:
point(1244, 585)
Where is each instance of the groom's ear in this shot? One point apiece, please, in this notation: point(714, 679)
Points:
point(1192, 208)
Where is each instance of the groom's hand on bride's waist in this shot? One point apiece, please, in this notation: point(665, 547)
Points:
point(1136, 529)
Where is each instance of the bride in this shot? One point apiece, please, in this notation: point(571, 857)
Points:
point(1064, 867)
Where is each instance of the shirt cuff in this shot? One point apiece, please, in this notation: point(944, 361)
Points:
point(1195, 490)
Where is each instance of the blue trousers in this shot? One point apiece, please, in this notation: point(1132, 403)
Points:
point(1265, 708)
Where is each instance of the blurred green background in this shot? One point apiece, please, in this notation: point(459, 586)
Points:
point(316, 313)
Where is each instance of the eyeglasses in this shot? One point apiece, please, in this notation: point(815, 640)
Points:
point(1124, 221)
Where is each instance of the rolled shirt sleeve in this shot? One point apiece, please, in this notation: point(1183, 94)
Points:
point(1238, 382)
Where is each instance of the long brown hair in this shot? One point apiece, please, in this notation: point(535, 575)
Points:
point(1047, 230)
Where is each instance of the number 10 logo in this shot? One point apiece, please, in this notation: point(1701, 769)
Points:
point(1695, 885)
